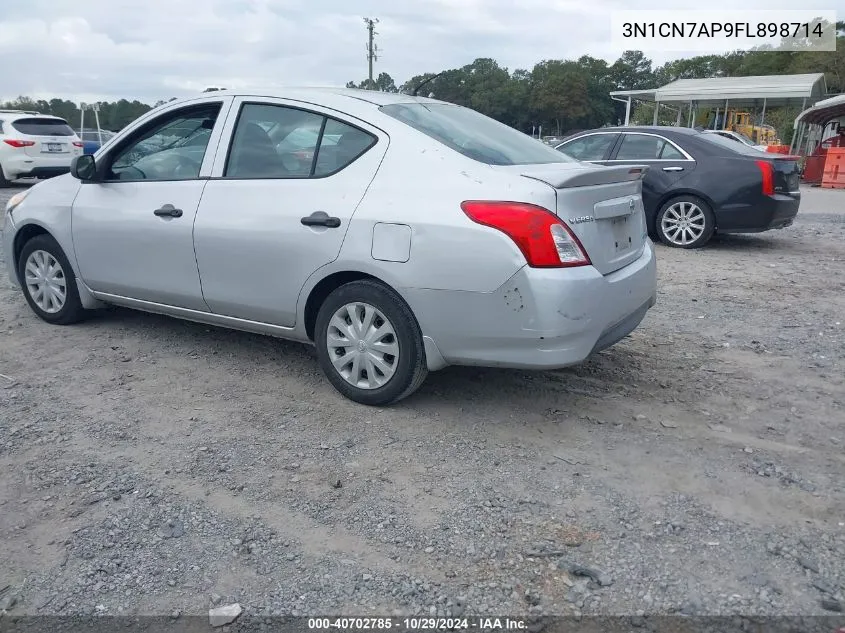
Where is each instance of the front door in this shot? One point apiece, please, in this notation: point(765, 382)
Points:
point(133, 227)
point(289, 182)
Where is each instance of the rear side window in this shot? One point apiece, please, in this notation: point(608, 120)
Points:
point(474, 135)
point(640, 147)
point(341, 145)
point(43, 127)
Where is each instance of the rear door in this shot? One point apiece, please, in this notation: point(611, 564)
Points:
point(51, 137)
point(279, 204)
point(668, 163)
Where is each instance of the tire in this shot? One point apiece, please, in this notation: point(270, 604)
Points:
point(380, 304)
point(38, 255)
point(692, 219)
point(3, 182)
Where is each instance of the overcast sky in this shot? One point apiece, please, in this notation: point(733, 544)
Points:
point(154, 49)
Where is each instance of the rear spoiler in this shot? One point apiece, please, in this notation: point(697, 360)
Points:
point(587, 175)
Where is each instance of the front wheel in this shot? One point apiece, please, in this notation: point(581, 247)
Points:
point(48, 282)
point(369, 344)
point(685, 222)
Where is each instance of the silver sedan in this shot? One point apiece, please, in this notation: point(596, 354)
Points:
point(397, 234)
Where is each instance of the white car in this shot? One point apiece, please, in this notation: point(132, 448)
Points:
point(34, 145)
point(736, 136)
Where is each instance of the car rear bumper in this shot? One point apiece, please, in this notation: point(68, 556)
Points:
point(25, 166)
point(771, 212)
point(539, 319)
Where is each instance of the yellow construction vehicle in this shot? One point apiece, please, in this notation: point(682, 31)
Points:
point(741, 122)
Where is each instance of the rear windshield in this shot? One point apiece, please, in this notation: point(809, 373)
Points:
point(43, 127)
point(731, 144)
point(474, 135)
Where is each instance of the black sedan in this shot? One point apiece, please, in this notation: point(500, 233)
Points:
point(697, 183)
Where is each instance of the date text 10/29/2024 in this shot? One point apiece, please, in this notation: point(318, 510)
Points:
point(417, 624)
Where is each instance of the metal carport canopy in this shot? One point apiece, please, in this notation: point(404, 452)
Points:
point(776, 90)
point(824, 111)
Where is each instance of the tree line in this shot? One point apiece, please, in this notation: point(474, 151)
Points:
point(558, 95)
point(567, 95)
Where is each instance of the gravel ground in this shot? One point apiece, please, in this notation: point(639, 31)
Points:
point(152, 466)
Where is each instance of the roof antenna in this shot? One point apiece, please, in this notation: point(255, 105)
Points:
point(432, 78)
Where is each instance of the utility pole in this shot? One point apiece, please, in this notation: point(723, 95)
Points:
point(372, 50)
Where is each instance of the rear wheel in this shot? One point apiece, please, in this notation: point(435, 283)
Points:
point(3, 181)
point(685, 222)
point(369, 344)
point(48, 282)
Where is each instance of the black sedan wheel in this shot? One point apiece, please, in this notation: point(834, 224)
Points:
point(685, 222)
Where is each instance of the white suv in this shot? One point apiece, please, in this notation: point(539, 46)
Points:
point(34, 145)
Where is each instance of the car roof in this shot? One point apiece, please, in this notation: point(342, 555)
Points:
point(375, 97)
point(658, 129)
point(9, 115)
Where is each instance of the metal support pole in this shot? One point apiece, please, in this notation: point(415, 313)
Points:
point(628, 112)
point(763, 116)
point(81, 118)
point(97, 119)
point(689, 115)
point(802, 127)
point(725, 122)
point(656, 109)
point(716, 118)
point(678, 120)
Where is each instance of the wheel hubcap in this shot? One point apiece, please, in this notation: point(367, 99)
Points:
point(45, 281)
point(362, 345)
point(683, 223)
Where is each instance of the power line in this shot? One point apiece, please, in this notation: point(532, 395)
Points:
point(372, 49)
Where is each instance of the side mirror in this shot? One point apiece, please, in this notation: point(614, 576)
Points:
point(83, 167)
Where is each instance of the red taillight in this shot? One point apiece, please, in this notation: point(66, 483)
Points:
point(767, 169)
point(77, 143)
point(545, 240)
point(16, 143)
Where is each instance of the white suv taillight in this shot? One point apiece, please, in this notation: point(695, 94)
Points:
point(16, 143)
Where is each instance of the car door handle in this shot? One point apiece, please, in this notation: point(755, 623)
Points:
point(321, 218)
point(168, 211)
point(673, 169)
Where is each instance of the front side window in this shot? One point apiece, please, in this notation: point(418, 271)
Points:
point(592, 147)
point(474, 135)
point(172, 148)
point(43, 127)
point(273, 141)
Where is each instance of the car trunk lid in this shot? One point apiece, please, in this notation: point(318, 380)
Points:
point(787, 179)
point(602, 206)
